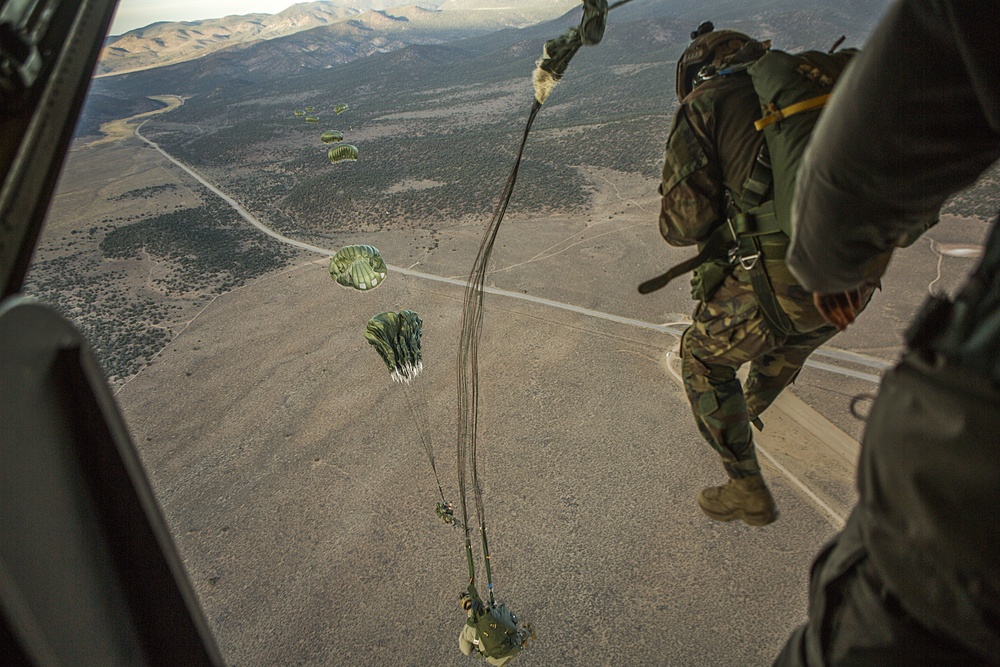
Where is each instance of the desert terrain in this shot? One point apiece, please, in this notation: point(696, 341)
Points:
point(292, 475)
point(290, 467)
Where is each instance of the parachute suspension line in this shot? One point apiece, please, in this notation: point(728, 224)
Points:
point(468, 348)
point(468, 371)
point(417, 404)
point(423, 429)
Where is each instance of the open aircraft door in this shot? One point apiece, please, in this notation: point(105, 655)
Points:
point(89, 574)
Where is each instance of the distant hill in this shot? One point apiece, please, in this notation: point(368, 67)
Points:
point(436, 111)
point(166, 43)
point(446, 112)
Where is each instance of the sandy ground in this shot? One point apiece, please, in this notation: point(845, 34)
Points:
point(302, 501)
point(299, 495)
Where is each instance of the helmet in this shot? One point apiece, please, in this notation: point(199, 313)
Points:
point(708, 48)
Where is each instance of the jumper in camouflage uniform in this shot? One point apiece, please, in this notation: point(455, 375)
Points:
point(710, 154)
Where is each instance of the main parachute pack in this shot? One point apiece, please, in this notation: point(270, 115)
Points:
point(496, 627)
point(792, 89)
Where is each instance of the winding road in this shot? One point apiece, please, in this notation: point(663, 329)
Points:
point(827, 353)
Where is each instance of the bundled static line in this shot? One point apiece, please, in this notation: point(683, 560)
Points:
point(468, 368)
point(550, 68)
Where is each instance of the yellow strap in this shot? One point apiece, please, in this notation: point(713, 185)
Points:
point(791, 110)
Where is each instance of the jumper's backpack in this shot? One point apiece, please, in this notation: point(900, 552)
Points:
point(792, 89)
point(496, 627)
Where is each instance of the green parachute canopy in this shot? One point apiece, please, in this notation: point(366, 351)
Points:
point(343, 153)
point(299, 113)
point(358, 266)
point(340, 108)
point(310, 108)
point(312, 119)
point(396, 337)
point(332, 136)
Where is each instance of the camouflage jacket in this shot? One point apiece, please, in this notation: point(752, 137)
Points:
point(711, 150)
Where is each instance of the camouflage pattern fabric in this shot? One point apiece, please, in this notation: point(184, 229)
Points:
point(711, 148)
point(729, 331)
point(557, 53)
point(710, 153)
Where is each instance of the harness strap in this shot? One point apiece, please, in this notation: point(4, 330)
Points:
point(761, 222)
point(775, 316)
point(760, 219)
point(774, 114)
point(740, 238)
point(758, 184)
point(717, 246)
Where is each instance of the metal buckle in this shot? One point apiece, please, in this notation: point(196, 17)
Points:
point(749, 262)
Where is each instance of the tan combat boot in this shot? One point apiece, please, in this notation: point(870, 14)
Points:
point(747, 498)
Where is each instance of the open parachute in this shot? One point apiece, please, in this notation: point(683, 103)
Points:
point(396, 337)
point(358, 266)
point(332, 136)
point(342, 153)
point(340, 108)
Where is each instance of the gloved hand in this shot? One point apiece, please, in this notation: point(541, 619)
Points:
point(839, 309)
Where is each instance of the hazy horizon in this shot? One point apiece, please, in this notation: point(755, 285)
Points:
point(132, 14)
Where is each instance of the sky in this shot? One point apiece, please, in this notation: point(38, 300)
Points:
point(138, 13)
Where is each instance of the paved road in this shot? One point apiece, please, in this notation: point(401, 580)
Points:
point(832, 354)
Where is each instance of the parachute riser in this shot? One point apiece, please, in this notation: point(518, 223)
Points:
point(468, 555)
point(486, 559)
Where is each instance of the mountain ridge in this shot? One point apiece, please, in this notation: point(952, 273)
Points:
point(169, 42)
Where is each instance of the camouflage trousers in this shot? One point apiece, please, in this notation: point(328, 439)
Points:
point(729, 331)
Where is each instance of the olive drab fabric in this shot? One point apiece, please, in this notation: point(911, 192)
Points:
point(915, 118)
point(864, 191)
point(792, 89)
point(496, 628)
point(396, 338)
point(358, 266)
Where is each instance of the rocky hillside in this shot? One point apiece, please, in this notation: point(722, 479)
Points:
point(167, 43)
